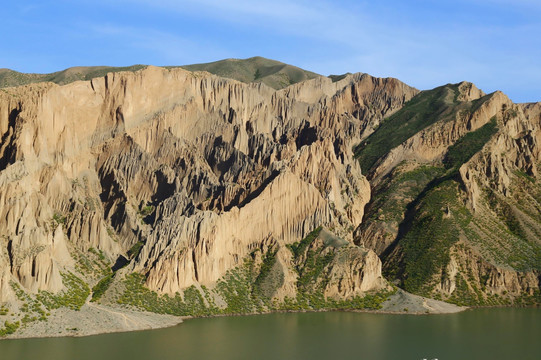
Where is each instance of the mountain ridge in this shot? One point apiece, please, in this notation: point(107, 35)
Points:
point(273, 73)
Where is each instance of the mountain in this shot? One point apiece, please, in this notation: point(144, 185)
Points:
point(273, 73)
point(187, 193)
point(257, 69)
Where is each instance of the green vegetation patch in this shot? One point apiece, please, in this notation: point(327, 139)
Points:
point(426, 245)
point(135, 250)
point(249, 287)
point(9, 328)
point(468, 145)
point(316, 301)
point(400, 188)
point(431, 226)
point(421, 111)
point(524, 175)
point(256, 69)
point(93, 262)
point(310, 264)
point(336, 78)
point(73, 297)
point(138, 295)
point(463, 295)
point(101, 287)
point(30, 308)
point(298, 248)
point(505, 213)
point(236, 289)
point(529, 300)
point(146, 210)
point(510, 244)
point(310, 273)
point(436, 220)
point(59, 219)
point(265, 283)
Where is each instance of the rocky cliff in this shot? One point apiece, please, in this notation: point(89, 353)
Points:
point(188, 193)
point(182, 177)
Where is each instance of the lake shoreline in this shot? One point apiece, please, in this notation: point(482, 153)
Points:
point(96, 319)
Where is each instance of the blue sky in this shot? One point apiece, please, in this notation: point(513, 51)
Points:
point(494, 43)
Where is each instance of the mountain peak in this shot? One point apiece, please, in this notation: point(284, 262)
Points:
point(273, 73)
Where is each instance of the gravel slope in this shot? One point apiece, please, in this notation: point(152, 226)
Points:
point(94, 319)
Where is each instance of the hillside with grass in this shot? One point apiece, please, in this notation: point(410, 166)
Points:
point(9, 78)
point(444, 219)
point(256, 69)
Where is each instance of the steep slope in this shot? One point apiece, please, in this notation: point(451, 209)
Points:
point(257, 69)
point(164, 181)
point(454, 212)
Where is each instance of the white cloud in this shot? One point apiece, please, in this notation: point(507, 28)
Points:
point(172, 48)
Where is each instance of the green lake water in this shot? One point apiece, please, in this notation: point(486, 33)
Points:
point(473, 334)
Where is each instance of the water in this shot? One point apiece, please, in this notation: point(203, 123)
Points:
point(474, 334)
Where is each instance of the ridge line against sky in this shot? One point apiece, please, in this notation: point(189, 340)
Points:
point(492, 43)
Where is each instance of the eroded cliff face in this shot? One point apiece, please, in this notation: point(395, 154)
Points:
point(455, 206)
point(234, 198)
point(181, 176)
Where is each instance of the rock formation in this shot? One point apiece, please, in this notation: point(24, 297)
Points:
point(168, 180)
point(181, 174)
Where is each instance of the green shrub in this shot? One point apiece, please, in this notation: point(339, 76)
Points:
point(268, 262)
point(59, 219)
point(146, 210)
point(9, 328)
point(136, 294)
point(248, 288)
point(101, 287)
point(298, 248)
point(73, 297)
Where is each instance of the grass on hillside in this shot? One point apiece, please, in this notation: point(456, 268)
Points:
point(73, 296)
point(10, 78)
point(401, 187)
point(256, 69)
point(426, 244)
point(468, 145)
point(434, 219)
point(421, 111)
